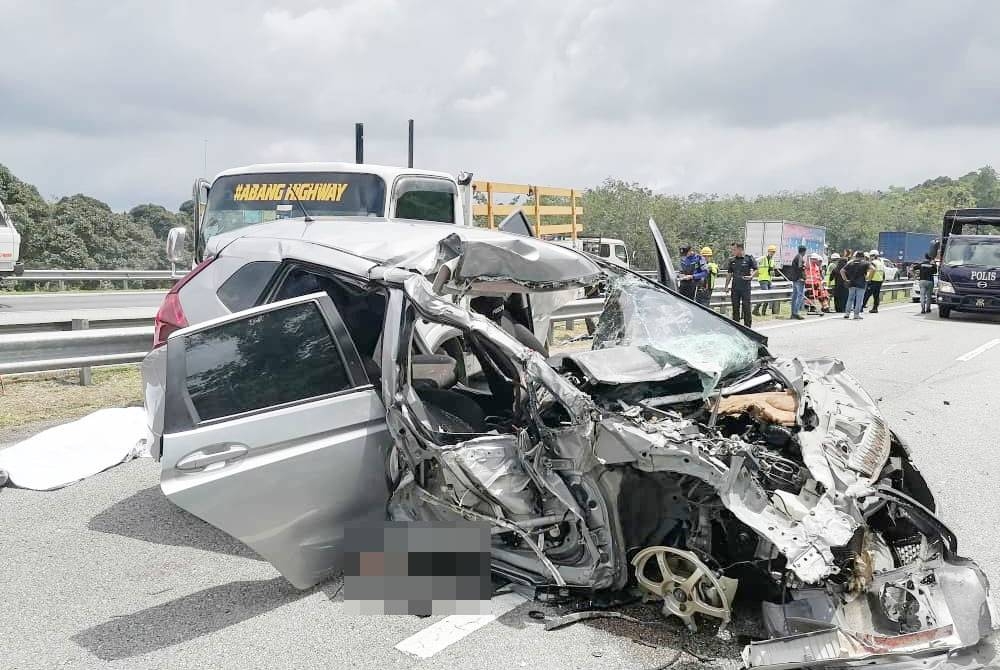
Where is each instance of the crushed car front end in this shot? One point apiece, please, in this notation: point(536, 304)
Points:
point(677, 458)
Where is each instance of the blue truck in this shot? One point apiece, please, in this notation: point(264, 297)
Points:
point(904, 249)
point(969, 257)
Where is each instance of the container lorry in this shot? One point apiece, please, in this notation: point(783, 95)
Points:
point(969, 256)
point(903, 248)
point(787, 236)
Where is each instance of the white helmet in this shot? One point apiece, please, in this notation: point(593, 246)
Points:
point(874, 253)
point(815, 257)
point(834, 256)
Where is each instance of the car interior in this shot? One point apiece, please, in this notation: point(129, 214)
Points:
point(466, 386)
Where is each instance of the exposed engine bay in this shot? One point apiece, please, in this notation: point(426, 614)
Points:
point(696, 474)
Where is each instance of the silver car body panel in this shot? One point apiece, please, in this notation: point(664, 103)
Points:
point(286, 481)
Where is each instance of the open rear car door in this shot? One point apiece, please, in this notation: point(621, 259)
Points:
point(274, 433)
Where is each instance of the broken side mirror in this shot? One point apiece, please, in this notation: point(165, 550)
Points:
point(176, 240)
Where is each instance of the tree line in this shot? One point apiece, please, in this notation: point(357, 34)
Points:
point(80, 232)
point(853, 219)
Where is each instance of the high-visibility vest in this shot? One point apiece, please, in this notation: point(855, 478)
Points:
point(879, 274)
point(764, 267)
point(829, 274)
point(713, 272)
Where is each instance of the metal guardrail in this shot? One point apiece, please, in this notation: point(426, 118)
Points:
point(95, 275)
point(37, 352)
point(62, 277)
point(80, 348)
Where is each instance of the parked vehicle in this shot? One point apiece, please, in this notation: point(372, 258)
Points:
point(787, 236)
point(969, 253)
point(307, 378)
point(608, 248)
point(10, 246)
point(915, 291)
point(891, 270)
point(902, 248)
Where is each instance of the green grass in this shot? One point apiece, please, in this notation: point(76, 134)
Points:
point(58, 396)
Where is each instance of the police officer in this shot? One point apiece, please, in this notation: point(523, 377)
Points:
point(765, 274)
point(741, 271)
point(874, 288)
point(705, 294)
point(693, 272)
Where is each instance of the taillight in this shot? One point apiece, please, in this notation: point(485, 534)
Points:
point(170, 316)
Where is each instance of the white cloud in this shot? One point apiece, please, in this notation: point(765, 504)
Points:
point(476, 61)
point(710, 97)
point(481, 103)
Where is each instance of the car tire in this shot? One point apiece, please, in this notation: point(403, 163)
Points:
point(18, 269)
point(917, 299)
point(944, 312)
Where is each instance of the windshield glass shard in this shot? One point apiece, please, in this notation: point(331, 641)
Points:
point(673, 331)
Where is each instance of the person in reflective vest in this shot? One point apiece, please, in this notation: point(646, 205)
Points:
point(766, 270)
point(874, 288)
point(704, 296)
point(693, 272)
point(817, 297)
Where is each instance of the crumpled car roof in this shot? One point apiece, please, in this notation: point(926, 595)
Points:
point(418, 246)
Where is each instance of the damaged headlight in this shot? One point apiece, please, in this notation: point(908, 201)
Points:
point(871, 454)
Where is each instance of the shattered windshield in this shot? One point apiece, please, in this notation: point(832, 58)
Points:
point(672, 330)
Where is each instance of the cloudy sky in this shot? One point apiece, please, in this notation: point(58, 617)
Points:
point(116, 99)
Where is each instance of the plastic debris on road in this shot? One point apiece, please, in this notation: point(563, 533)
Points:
point(65, 454)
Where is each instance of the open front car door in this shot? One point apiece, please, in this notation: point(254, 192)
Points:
point(274, 433)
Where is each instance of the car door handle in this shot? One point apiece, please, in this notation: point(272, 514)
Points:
point(221, 453)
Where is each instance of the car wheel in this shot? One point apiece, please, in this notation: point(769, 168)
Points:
point(944, 312)
point(917, 299)
point(18, 269)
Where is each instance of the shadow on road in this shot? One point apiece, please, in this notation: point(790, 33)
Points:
point(190, 616)
point(149, 516)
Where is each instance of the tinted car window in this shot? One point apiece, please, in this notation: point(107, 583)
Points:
point(264, 360)
point(621, 253)
point(244, 287)
point(362, 310)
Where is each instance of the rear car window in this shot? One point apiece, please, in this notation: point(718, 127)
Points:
point(361, 308)
point(264, 360)
point(245, 286)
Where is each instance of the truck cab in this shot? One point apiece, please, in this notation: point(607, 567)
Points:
point(608, 248)
point(10, 246)
point(254, 194)
point(969, 256)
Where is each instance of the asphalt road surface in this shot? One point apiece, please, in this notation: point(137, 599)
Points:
point(22, 308)
point(106, 573)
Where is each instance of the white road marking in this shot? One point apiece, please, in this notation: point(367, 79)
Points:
point(978, 350)
point(453, 628)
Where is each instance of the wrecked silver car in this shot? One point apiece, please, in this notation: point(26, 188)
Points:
point(666, 451)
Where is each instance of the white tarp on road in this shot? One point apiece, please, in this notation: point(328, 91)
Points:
point(66, 454)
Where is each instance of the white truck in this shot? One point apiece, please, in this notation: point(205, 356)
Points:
point(610, 249)
point(244, 196)
point(10, 246)
point(787, 236)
